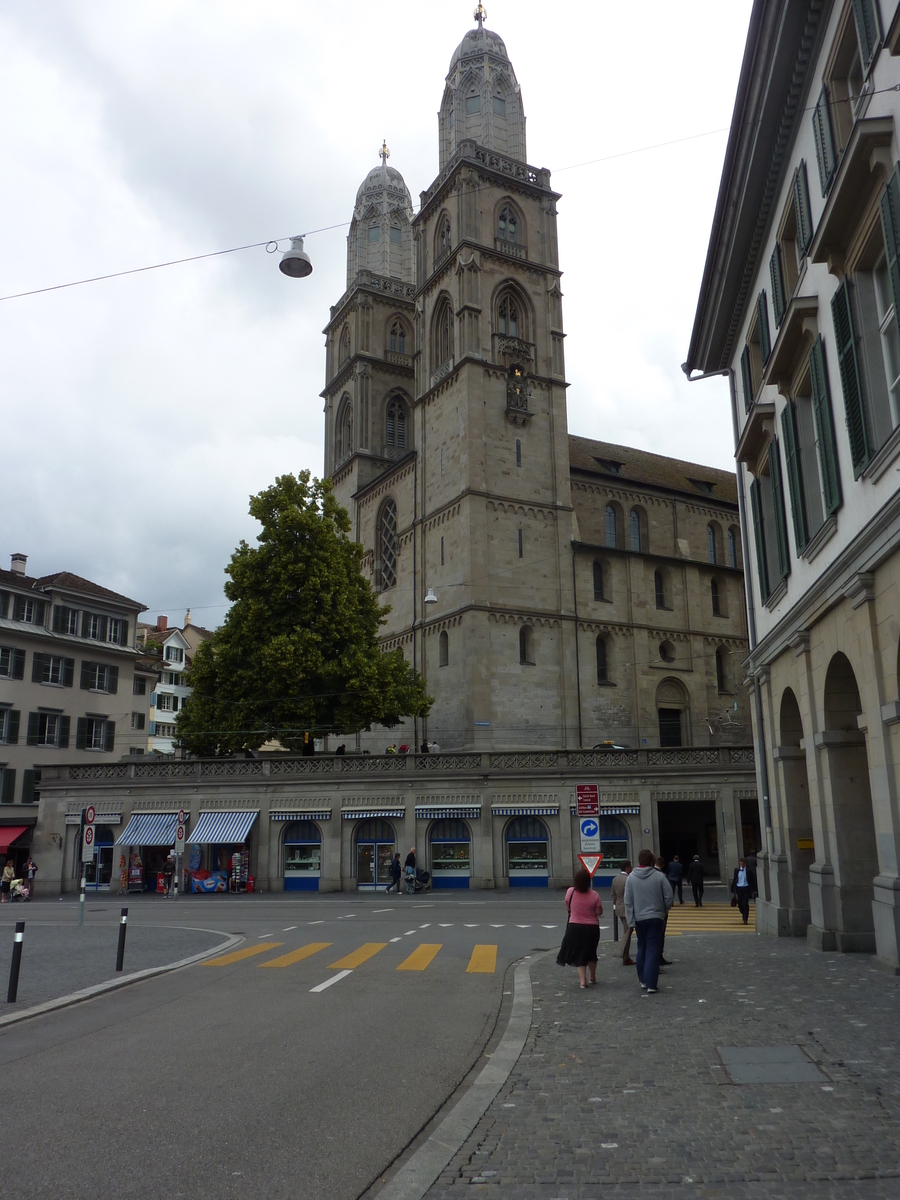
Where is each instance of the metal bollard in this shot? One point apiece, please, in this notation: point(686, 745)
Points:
point(123, 926)
point(615, 926)
point(81, 897)
point(16, 963)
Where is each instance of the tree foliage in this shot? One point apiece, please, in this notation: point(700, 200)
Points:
point(299, 649)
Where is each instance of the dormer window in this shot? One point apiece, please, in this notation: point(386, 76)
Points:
point(702, 485)
point(607, 464)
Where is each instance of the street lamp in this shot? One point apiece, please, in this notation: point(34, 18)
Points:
point(431, 598)
point(295, 262)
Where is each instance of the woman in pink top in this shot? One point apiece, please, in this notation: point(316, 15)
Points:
point(579, 946)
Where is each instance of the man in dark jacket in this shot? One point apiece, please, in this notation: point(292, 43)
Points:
point(648, 898)
point(743, 885)
point(695, 879)
point(675, 875)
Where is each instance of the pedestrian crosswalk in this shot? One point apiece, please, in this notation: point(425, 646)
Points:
point(482, 961)
point(711, 918)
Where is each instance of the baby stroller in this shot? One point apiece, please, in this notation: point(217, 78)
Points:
point(422, 882)
point(18, 890)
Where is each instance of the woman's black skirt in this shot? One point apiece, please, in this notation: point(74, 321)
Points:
point(579, 946)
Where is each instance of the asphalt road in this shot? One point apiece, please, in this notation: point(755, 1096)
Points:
point(238, 1078)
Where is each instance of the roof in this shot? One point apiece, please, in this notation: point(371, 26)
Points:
point(66, 581)
point(624, 464)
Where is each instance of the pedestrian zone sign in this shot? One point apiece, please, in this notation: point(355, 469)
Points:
point(590, 862)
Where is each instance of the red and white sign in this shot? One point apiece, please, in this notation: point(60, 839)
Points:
point(587, 800)
point(179, 838)
point(182, 817)
point(590, 862)
point(87, 846)
point(90, 815)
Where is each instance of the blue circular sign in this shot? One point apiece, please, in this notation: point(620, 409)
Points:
point(589, 827)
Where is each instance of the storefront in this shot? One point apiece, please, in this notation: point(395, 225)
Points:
point(451, 853)
point(15, 841)
point(374, 845)
point(221, 852)
point(145, 843)
point(528, 852)
point(302, 853)
point(98, 870)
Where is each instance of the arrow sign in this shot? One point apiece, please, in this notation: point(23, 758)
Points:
point(589, 828)
point(590, 862)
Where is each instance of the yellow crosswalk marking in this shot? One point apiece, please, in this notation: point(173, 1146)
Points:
point(420, 957)
point(358, 957)
point(483, 961)
point(226, 960)
point(286, 960)
point(711, 918)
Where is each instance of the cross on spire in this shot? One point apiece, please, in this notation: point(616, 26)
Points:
point(480, 14)
point(384, 153)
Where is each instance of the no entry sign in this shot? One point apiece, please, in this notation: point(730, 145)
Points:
point(587, 799)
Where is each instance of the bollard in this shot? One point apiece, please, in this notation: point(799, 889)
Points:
point(16, 963)
point(615, 926)
point(120, 954)
point(81, 897)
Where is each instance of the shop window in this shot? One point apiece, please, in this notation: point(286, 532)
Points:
point(302, 855)
point(528, 848)
point(613, 843)
point(450, 848)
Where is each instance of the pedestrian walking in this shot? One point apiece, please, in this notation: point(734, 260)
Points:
point(396, 872)
point(392, 749)
point(425, 748)
point(30, 872)
point(579, 944)
point(648, 898)
point(695, 879)
point(743, 888)
point(675, 875)
point(6, 881)
point(660, 864)
point(410, 868)
point(168, 875)
point(618, 898)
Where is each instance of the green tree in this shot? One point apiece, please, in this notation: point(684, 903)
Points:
point(299, 649)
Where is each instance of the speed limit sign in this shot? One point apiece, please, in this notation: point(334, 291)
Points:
point(89, 815)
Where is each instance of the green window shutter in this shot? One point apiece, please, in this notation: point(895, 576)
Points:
point(112, 680)
point(59, 620)
point(851, 380)
point(86, 672)
point(65, 724)
point(37, 668)
point(781, 542)
point(760, 540)
point(34, 729)
point(746, 379)
point(821, 395)
point(110, 736)
point(4, 604)
point(795, 483)
point(779, 302)
point(890, 224)
point(123, 639)
point(802, 211)
point(28, 777)
point(825, 154)
point(68, 672)
point(762, 323)
point(868, 30)
point(81, 733)
point(18, 665)
point(12, 729)
point(9, 786)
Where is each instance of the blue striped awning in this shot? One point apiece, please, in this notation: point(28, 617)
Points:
point(301, 814)
point(149, 829)
point(427, 812)
point(222, 828)
point(518, 810)
point(363, 814)
point(616, 810)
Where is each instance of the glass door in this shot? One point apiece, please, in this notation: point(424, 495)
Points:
point(384, 853)
point(365, 864)
point(98, 870)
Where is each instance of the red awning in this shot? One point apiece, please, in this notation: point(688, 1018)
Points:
point(10, 834)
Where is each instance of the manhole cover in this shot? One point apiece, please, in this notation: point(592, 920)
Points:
point(768, 1064)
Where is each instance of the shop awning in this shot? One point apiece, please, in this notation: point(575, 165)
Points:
point(10, 834)
point(435, 812)
point(149, 829)
point(363, 814)
point(301, 814)
point(519, 810)
point(617, 810)
point(222, 828)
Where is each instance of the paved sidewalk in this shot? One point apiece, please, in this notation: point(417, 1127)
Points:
point(619, 1095)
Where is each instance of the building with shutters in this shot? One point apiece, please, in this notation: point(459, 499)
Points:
point(800, 306)
point(71, 689)
point(170, 650)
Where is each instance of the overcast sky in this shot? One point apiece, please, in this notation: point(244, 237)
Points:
point(138, 415)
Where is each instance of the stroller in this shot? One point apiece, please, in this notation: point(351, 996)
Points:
point(18, 890)
point(422, 882)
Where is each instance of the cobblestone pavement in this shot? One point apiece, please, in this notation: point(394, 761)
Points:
point(619, 1095)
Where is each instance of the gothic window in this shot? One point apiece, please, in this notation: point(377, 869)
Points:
point(473, 104)
point(397, 337)
point(508, 316)
point(714, 596)
point(443, 649)
point(443, 237)
point(711, 544)
point(344, 350)
point(499, 106)
point(374, 233)
point(395, 431)
point(602, 664)
point(610, 518)
point(526, 645)
point(634, 522)
point(521, 554)
point(386, 564)
point(599, 589)
point(508, 224)
point(396, 235)
point(732, 548)
point(721, 670)
point(659, 584)
point(518, 452)
point(344, 432)
point(442, 349)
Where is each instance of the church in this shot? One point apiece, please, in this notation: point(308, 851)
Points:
point(554, 591)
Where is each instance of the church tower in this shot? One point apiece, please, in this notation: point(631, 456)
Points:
point(476, 513)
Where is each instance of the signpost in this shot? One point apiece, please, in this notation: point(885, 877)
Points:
point(589, 828)
point(587, 799)
point(88, 817)
point(179, 846)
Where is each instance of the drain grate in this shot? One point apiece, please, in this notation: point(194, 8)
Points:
point(769, 1064)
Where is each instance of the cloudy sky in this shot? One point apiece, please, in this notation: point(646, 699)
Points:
point(137, 415)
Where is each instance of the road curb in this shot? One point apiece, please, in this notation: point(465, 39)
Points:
point(112, 985)
point(424, 1166)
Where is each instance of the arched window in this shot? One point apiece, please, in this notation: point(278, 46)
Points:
point(599, 588)
point(721, 670)
point(610, 526)
point(397, 337)
point(602, 664)
point(508, 224)
point(443, 649)
point(508, 316)
point(518, 452)
point(344, 348)
point(442, 346)
point(634, 522)
point(526, 645)
point(386, 561)
point(344, 431)
point(711, 544)
point(732, 548)
point(659, 584)
point(395, 431)
point(443, 237)
point(714, 596)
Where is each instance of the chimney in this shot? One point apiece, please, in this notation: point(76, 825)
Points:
point(162, 624)
point(187, 618)
point(17, 563)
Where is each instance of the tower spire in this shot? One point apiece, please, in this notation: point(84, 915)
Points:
point(384, 153)
point(480, 14)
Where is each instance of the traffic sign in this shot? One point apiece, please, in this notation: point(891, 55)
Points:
point(587, 799)
point(590, 834)
point(87, 848)
point(590, 862)
point(182, 817)
point(90, 815)
point(179, 838)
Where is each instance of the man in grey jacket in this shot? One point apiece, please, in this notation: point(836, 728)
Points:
point(648, 897)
